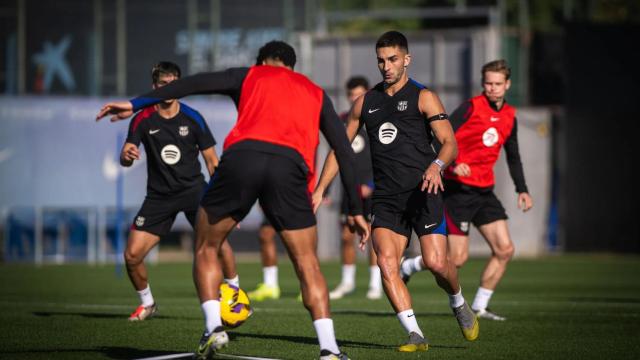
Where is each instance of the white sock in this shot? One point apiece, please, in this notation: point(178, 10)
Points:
point(146, 298)
point(211, 310)
point(326, 335)
point(375, 281)
point(412, 265)
point(408, 320)
point(348, 274)
point(481, 301)
point(456, 300)
point(270, 275)
point(418, 264)
point(235, 281)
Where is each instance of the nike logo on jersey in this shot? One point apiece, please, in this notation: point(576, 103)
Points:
point(432, 225)
point(151, 132)
point(494, 119)
point(371, 111)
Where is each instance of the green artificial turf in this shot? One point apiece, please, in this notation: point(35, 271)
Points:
point(561, 307)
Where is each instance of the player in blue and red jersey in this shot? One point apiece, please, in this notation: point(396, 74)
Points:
point(269, 156)
point(483, 125)
point(173, 135)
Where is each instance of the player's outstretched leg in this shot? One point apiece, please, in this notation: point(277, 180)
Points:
point(497, 236)
point(301, 245)
point(138, 246)
point(389, 246)
point(207, 276)
point(436, 260)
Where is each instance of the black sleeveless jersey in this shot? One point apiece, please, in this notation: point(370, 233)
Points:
point(172, 147)
point(400, 138)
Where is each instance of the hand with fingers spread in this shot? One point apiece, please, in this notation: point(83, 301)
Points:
point(120, 110)
point(432, 179)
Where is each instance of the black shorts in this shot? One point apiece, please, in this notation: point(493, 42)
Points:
point(416, 209)
point(157, 214)
point(276, 181)
point(466, 205)
point(344, 208)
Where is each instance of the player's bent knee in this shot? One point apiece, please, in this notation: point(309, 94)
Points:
point(505, 253)
point(389, 266)
point(133, 259)
point(435, 265)
point(460, 259)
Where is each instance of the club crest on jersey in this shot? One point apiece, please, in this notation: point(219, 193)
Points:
point(402, 105)
point(139, 221)
point(183, 130)
point(387, 133)
point(490, 137)
point(358, 144)
point(170, 154)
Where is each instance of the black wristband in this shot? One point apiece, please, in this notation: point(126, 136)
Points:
point(441, 116)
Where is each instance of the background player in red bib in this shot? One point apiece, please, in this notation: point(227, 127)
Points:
point(483, 125)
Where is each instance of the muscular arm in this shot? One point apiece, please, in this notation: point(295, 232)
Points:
point(225, 82)
point(431, 106)
point(211, 159)
point(513, 160)
point(330, 168)
point(228, 82)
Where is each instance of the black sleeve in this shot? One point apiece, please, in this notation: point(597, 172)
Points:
point(228, 82)
point(333, 130)
point(459, 116)
point(204, 137)
point(133, 135)
point(513, 159)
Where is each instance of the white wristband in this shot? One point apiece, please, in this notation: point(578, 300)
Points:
point(439, 162)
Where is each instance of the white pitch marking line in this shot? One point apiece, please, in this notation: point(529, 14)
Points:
point(218, 355)
point(229, 356)
point(167, 357)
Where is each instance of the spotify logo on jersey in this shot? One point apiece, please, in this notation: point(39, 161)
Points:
point(170, 154)
point(490, 137)
point(387, 133)
point(358, 144)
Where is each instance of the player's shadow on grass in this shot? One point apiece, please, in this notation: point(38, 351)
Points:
point(346, 343)
point(307, 340)
point(98, 315)
point(386, 314)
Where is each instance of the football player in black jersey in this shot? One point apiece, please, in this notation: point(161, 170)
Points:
point(400, 116)
point(173, 134)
